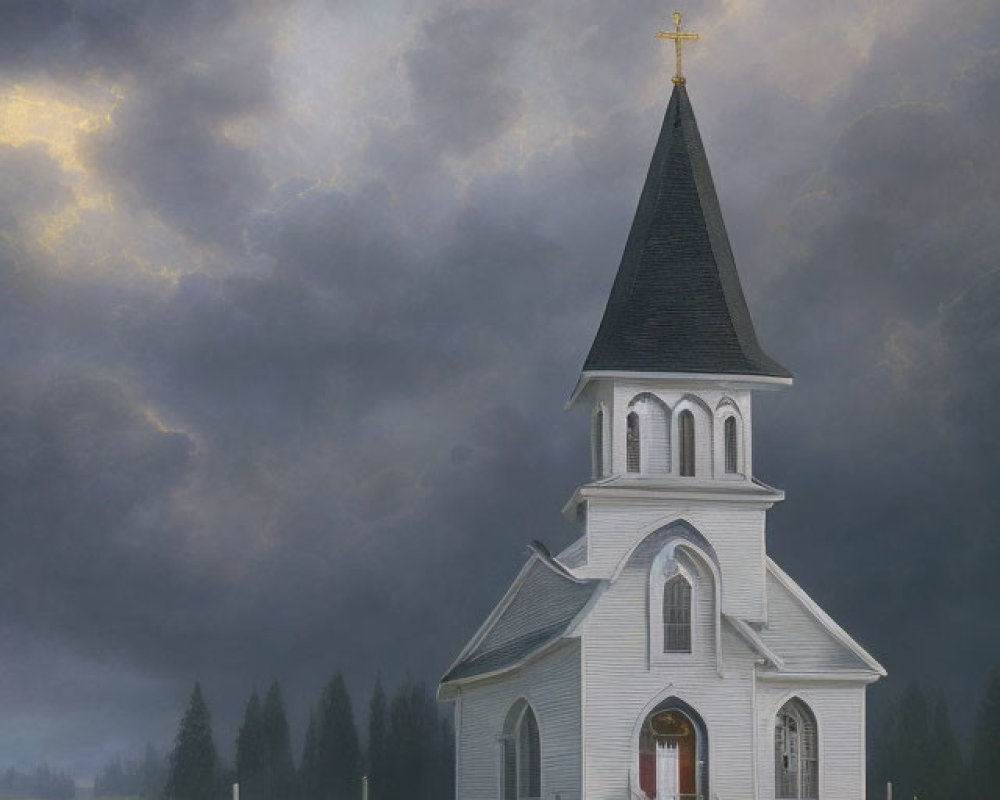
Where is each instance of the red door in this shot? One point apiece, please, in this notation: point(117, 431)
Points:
point(675, 727)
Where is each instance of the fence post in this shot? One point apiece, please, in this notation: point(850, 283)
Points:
point(888, 790)
point(236, 791)
point(364, 788)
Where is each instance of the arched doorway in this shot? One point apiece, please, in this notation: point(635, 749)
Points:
point(673, 753)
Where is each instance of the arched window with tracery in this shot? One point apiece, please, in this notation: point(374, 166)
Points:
point(732, 464)
point(685, 430)
point(632, 459)
point(677, 615)
point(796, 752)
point(522, 755)
point(598, 443)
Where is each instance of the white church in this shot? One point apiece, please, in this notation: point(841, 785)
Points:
point(663, 654)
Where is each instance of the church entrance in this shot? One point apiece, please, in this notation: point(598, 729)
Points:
point(673, 761)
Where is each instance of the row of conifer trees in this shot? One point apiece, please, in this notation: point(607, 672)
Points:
point(408, 725)
point(916, 749)
point(409, 751)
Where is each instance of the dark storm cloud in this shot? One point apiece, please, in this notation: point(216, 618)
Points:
point(32, 184)
point(298, 458)
point(86, 485)
point(461, 93)
point(889, 330)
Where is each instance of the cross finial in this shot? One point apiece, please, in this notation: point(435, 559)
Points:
point(678, 36)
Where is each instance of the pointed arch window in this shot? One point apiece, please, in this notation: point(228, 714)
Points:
point(685, 426)
point(796, 752)
point(632, 460)
point(598, 443)
point(522, 759)
point(677, 615)
point(731, 445)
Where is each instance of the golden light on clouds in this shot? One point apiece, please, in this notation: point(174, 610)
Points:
point(36, 115)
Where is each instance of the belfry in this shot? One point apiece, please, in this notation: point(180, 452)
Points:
point(663, 654)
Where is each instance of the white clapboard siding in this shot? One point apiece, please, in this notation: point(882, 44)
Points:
point(621, 686)
point(735, 531)
point(799, 638)
point(839, 708)
point(551, 684)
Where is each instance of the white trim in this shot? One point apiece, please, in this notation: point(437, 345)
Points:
point(458, 742)
point(670, 487)
point(600, 409)
point(669, 691)
point(823, 618)
point(656, 589)
point(820, 749)
point(498, 609)
point(727, 407)
point(648, 441)
point(445, 687)
point(553, 563)
point(846, 676)
point(706, 378)
point(536, 556)
point(754, 640)
point(754, 734)
point(680, 541)
point(573, 630)
point(704, 451)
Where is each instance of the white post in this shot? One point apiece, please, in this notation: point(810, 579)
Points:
point(364, 788)
point(236, 791)
point(888, 790)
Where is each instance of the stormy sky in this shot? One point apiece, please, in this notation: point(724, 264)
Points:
point(292, 293)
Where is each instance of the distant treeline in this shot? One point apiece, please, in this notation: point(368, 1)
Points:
point(917, 750)
point(408, 753)
point(43, 783)
point(334, 757)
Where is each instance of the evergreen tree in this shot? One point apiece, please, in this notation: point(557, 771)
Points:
point(153, 774)
point(897, 753)
point(309, 766)
point(338, 774)
point(251, 755)
point(376, 741)
point(279, 768)
point(446, 761)
point(194, 768)
point(420, 743)
point(986, 742)
point(918, 751)
point(944, 772)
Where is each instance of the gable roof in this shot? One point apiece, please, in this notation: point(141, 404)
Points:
point(804, 636)
point(676, 305)
point(538, 609)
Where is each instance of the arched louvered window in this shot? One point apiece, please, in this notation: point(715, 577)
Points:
point(685, 425)
point(598, 443)
point(731, 445)
point(796, 752)
point(677, 615)
point(632, 460)
point(529, 757)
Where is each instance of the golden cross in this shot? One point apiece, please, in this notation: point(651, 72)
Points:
point(678, 36)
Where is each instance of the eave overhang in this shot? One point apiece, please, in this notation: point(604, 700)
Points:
point(686, 380)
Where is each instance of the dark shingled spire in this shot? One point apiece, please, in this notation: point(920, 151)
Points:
point(677, 304)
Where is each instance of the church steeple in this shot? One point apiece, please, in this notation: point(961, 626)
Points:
point(671, 370)
point(677, 305)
